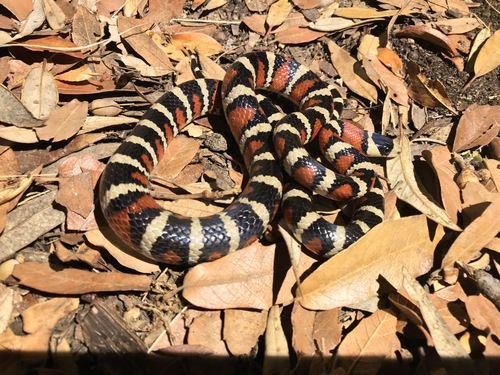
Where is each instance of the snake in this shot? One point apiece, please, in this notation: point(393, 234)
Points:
point(269, 143)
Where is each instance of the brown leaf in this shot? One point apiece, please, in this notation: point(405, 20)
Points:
point(478, 126)
point(199, 42)
point(86, 29)
point(373, 340)
point(142, 42)
point(440, 159)
point(54, 44)
point(242, 279)
point(302, 333)
point(453, 355)
point(42, 277)
point(142, 265)
point(391, 60)
point(276, 356)
point(345, 65)
point(429, 93)
point(82, 73)
point(13, 112)
point(431, 35)
point(76, 194)
point(205, 330)
point(45, 315)
point(297, 35)
point(475, 236)
point(256, 23)
point(28, 222)
point(386, 79)
point(39, 93)
point(400, 172)
point(278, 13)
point(180, 152)
point(488, 57)
point(351, 276)
point(242, 329)
point(64, 122)
point(457, 25)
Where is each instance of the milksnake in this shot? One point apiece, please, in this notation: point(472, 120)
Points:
point(135, 216)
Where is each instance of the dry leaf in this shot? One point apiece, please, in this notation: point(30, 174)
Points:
point(400, 172)
point(351, 276)
point(42, 277)
point(429, 93)
point(453, 355)
point(278, 13)
point(478, 126)
point(372, 341)
point(54, 14)
point(488, 57)
point(205, 330)
point(345, 66)
point(179, 153)
point(361, 13)
point(457, 25)
point(439, 157)
point(64, 122)
point(27, 223)
point(86, 29)
point(431, 35)
point(79, 74)
point(276, 357)
point(40, 95)
point(199, 42)
point(475, 236)
point(13, 112)
point(243, 279)
point(96, 238)
point(242, 329)
point(54, 44)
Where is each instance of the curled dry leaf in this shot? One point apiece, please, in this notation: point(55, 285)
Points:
point(478, 126)
point(351, 276)
point(391, 60)
point(431, 35)
point(429, 93)
point(42, 277)
point(276, 356)
point(368, 13)
point(82, 73)
point(402, 178)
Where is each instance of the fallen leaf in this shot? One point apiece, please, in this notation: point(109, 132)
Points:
point(54, 44)
point(96, 238)
point(242, 329)
point(488, 57)
point(351, 276)
point(354, 12)
point(205, 330)
point(431, 35)
point(453, 355)
point(64, 122)
point(345, 65)
point(278, 13)
point(276, 357)
point(400, 171)
point(86, 29)
point(440, 159)
point(242, 279)
point(199, 42)
point(475, 236)
point(478, 126)
point(429, 93)
point(42, 277)
point(13, 112)
point(179, 153)
point(369, 343)
point(28, 222)
point(457, 25)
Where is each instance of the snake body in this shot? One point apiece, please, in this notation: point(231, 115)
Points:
point(135, 216)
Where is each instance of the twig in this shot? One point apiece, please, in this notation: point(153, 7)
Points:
point(180, 20)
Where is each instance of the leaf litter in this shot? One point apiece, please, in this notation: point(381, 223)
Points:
point(76, 78)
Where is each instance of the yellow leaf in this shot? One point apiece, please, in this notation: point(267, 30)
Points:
point(488, 58)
